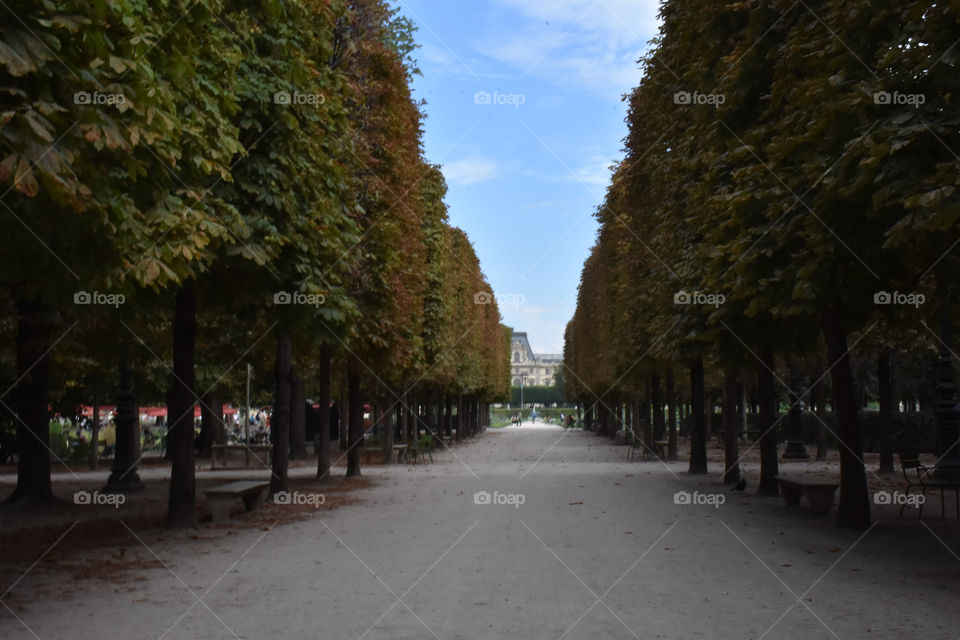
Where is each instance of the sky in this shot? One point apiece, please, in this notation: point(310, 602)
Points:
point(525, 114)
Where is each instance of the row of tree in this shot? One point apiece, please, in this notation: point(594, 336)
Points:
point(788, 197)
point(190, 186)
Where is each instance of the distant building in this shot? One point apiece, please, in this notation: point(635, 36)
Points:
point(529, 368)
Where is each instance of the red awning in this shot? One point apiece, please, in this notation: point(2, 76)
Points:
point(152, 411)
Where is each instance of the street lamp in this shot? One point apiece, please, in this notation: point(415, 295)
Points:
point(523, 378)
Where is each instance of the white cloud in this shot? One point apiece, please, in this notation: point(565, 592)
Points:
point(596, 172)
point(591, 45)
point(470, 170)
point(552, 204)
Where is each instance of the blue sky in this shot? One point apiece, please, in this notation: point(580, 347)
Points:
point(524, 112)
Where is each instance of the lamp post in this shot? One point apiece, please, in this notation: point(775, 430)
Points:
point(123, 474)
point(523, 378)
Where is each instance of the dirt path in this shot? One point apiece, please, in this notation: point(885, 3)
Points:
point(575, 542)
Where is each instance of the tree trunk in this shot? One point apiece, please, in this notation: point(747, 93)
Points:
point(474, 416)
point(182, 505)
point(854, 508)
point(94, 461)
point(767, 392)
point(818, 399)
point(298, 417)
point(448, 417)
point(886, 395)
point(323, 399)
point(413, 428)
point(388, 431)
point(433, 412)
point(459, 420)
point(698, 430)
point(355, 428)
point(280, 424)
point(33, 426)
point(710, 404)
point(211, 423)
point(742, 408)
point(344, 405)
point(656, 399)
point(731, 453)
point(672, 417)
point(636, 426)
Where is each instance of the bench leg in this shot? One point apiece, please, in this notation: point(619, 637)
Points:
point(220, 508)
point(791, 495)
point(820, 500)
point(250, 502)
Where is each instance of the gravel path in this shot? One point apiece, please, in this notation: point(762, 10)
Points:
point(575, 542)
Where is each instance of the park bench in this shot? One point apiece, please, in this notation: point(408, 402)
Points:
point(221, 498)
point(660, 447)
point(259, 452)
point(374, 445)
point(819, 493)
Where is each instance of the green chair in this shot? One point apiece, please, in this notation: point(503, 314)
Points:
point(422, 447)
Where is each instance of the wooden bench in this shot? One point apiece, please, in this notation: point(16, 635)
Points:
point(222, 498)
point(819, 493)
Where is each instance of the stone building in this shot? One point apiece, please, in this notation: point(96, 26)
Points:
point(529, 368)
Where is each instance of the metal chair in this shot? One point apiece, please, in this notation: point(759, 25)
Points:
point(916, 474)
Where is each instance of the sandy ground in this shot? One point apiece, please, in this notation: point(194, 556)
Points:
point(575, 542)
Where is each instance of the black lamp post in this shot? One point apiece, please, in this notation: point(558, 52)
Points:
point(796, 449)
point(123, 474)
